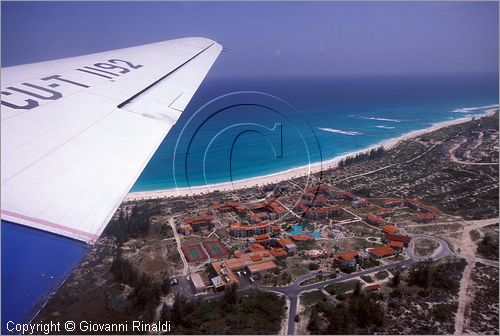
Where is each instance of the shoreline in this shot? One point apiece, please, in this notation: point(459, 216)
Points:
point(294, 172)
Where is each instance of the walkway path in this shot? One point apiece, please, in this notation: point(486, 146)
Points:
point(171, 221)
point(468, 251)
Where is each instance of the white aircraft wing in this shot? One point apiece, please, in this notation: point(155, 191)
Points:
point(76, 133)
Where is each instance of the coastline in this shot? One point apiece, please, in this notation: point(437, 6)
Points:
point(293, 172)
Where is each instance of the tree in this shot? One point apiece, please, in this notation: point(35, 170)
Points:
point(165, 285)
point(357, 289)
point(231, 294)
point(165, 313)
point(313, 266)
point(396, 279)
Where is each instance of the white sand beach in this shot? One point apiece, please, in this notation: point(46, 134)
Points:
point(291, 173)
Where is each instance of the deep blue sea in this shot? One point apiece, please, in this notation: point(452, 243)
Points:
point(330, 117)
point(248, 135)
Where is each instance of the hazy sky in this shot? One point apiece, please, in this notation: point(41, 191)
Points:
point(273, 39)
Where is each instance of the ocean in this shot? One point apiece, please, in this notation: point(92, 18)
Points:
point(330, 117)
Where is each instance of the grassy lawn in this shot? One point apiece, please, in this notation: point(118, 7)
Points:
point(311, 298)
point(381, 275)
point(367, 278)
point(341, 287)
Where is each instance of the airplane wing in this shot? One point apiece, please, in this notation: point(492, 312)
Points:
point(76, 133)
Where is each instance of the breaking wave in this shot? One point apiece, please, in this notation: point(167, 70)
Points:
point(382, 119)
point(474, 108)
point(333, 130)
point(385, 127)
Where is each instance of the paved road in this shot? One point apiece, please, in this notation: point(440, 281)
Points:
point(443, 250)
point(294, 290)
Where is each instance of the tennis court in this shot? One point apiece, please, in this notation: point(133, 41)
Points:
point(194, 253)
point(215, 249)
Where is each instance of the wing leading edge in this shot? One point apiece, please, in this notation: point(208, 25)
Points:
point(77, 133)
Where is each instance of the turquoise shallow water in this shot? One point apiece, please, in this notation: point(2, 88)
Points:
point(332, 116)
point(298, 229)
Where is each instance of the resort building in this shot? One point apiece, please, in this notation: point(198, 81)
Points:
point(426, 217)
point(199, 285)
point(324, 212)
point(413, 203)
point(255, 262)
point(262, 239)
point(301, 237)
point(186, 230)
point(256, 248)
point(390, 229)
point(227, 207)
point(288, 245)
point(381, 252)
point(199, 222)
point(278, 253)
point(347, 259)
point(244, 231)
point(374, 220)
point(316, 254)
point(359, 203)
point(372, 288)
point(319, 189)
point(392, 202)
point(396, 245)
point(398, 238)
point(384, 213)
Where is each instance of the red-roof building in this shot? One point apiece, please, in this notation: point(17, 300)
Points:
point(390, 229)
point(347, 259)
point(301, 237)
point(397, 237)
point(324, 212)
point(381, 252)
point(374, 220)
point(255, 248)
point(372, 288)
point(398, 246)
point(287, 244)
point(243, 231)
point(278, 253)
point(426, 217)
point(413, 203)
point(392, 202)
point(199, 222)
point(384, 212)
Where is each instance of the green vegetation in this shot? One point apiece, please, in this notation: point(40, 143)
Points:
point(360, 229)
point(146, 294)
point(381, 275)
point(445, 277)
point(374, 153)
point(250, 313)
point(488, 247)
point(134, 224)
point(360, 314)
point(312, 297)
point(425, 247)
point(313, 266)
point(475, 235)
point(367, 278)
point(341, 287)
